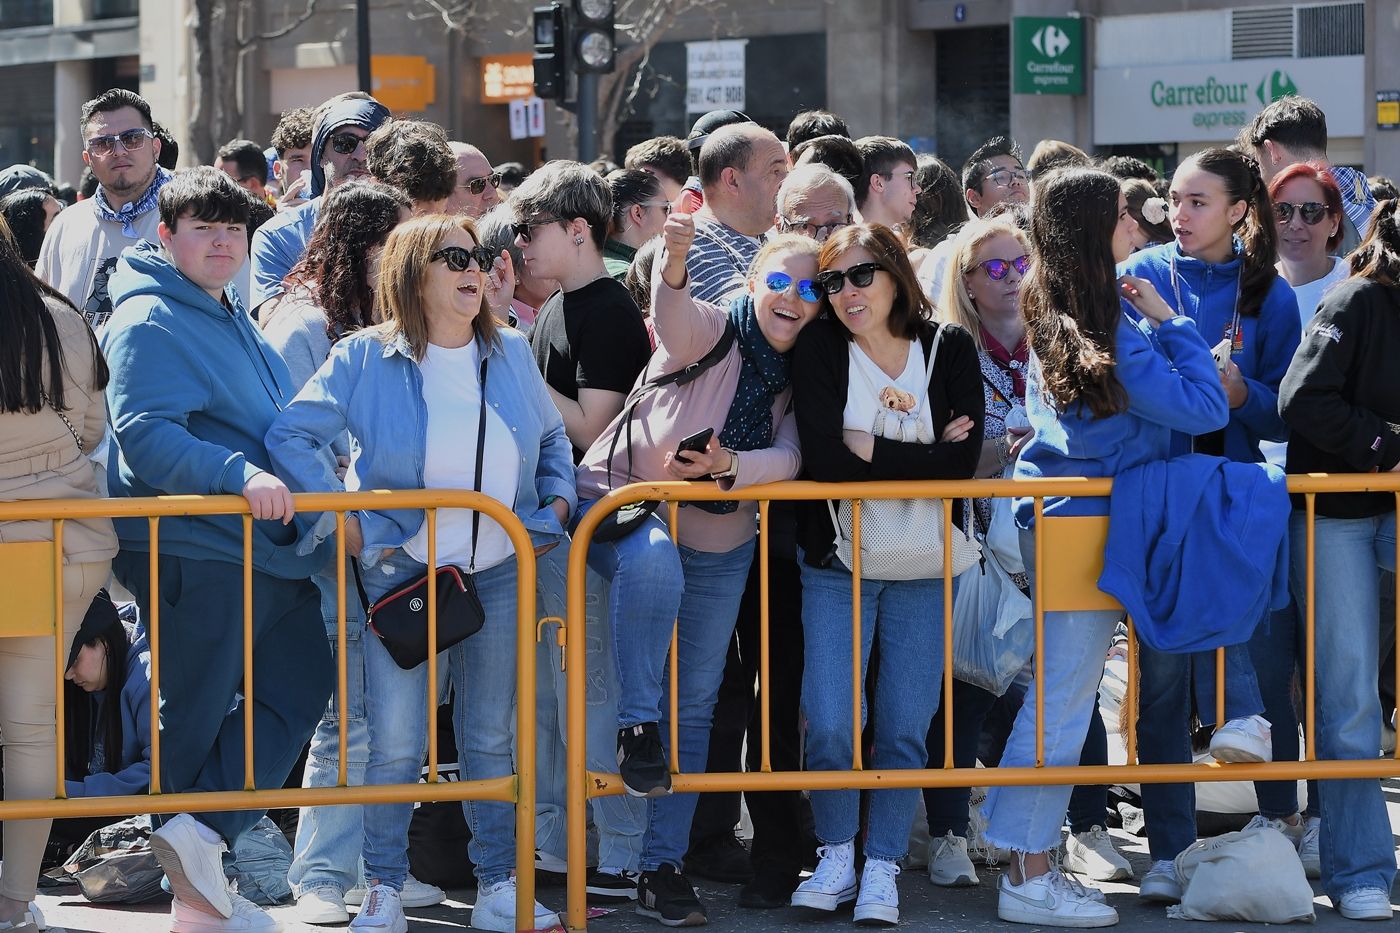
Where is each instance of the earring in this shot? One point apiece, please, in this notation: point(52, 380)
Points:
point(578, 241)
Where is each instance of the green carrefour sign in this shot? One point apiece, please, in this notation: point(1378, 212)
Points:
point(1048, 55)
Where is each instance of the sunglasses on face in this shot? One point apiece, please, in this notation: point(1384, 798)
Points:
point(997, 269)
point(345, 143)
point(818, 232)
point(779, 282)
point(478, 184)
point(1003, 177)
point(1312, 212)
point(460, 259)
point(861, 275)
point(130, 141)
point(524, 230)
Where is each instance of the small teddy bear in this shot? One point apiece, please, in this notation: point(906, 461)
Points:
point(898, 419)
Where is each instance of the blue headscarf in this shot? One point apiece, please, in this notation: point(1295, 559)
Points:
point(356, 111)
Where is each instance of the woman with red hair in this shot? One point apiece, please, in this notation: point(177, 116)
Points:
point(1308, 207)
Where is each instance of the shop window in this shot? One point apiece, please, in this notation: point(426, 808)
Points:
point(16, 13)
point(973, 77)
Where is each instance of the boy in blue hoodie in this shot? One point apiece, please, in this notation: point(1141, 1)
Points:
point(194, 389)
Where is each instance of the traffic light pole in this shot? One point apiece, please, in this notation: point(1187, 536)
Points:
point(362, 47)
point(587, 117)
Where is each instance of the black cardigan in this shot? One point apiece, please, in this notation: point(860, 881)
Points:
point(1341, 396)
point(820, 382)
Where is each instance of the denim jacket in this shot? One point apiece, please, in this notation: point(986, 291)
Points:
point(374, 389)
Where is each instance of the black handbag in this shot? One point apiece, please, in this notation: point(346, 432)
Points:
point(400, 618)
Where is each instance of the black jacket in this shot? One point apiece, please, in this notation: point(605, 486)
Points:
point(1341, 396)
point(820, 380)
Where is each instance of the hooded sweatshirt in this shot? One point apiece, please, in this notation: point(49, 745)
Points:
point(132, 762)
point(193, 391)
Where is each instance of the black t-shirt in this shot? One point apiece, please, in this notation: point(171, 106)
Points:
point(590, 338)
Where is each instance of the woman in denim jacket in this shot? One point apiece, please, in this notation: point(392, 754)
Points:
point(409, 393)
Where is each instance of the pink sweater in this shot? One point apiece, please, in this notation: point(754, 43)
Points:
point(685, 331)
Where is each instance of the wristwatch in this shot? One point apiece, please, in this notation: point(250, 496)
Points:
point(733, 466)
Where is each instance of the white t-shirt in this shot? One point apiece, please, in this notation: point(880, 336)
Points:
point(1310, 294)
point(868, 380)
point(453, 395)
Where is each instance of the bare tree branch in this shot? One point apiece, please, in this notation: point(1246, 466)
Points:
point(248, 41)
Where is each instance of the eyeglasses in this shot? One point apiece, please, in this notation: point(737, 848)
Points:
point(523, 230)
point(997, 269)
point(779, 282)
point(345, 143)
point(818, 232)
point(130, 141)
point(478, 184)
point(907, 173)
point(1311, 211)
point(459, 258)
point(1004, 177)
point(861, 275)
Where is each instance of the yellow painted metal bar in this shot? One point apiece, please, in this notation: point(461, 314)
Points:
point(857, 759)
point(1132, 693)
point(1310, 630)
point(60, 657)
point(526, 581)
point(948, 633)
point(1039, 612)
point(765, 710)
point(153, 638)
point(575, 725)
point(1219, 687)
point(432, 689)
point(249, 778)
point(342, 701)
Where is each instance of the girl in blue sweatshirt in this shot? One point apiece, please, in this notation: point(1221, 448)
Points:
point(1220, 272)
point(1106, 390)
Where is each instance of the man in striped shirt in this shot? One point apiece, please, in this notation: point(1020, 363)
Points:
point(741, 168)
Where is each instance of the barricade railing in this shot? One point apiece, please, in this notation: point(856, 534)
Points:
point(1068, 559)
point(42, 563)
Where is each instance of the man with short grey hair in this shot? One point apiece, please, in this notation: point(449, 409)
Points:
point(815, 201)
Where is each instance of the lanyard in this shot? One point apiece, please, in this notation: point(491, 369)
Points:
point(1233, 333)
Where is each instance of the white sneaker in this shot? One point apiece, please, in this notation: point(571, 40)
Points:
point(879, 897)
point(1310, 847)
point(322, 906)
point(1092, 854)
point(244, 917)
point(1161, 885)
point(382, 912)
point(415, 893)
point(553, 864)
point(950, 866)
point(1365, 904)
point(1052, 900)
point(194, 864)
point(495, 909)
point(1247, 739)
point(834, 881)
point(36, 918)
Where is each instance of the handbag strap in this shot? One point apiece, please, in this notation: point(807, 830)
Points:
point(77, 439)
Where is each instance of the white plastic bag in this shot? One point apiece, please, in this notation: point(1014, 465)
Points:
point(993, 632)
point(1253, 875)
point(1004, 538)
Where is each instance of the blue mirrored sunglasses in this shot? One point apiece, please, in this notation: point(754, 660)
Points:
point(779, 282)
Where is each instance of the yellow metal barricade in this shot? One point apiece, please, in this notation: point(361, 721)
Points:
point(1068, 560)
point(34, 572)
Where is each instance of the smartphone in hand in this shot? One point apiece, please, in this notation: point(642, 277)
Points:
point(696, 442)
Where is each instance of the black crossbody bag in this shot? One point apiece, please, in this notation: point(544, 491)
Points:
point(400, 618)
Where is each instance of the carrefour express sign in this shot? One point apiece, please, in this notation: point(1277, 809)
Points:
point(1211, 102)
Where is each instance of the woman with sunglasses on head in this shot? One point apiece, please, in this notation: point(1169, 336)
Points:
point(437, 396)
point(874, 345)
point(1220, 273)
point(731, 424)
point(1308, 207)
point(639, 211)
point(589, 340)
point(1105, 391)
point(1342, 400)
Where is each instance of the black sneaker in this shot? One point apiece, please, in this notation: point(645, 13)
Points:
point(641, 760)
point(605, 887)
point(721, 858)
point(665, 896)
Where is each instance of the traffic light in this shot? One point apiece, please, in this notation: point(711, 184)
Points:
point(595, 38)
point(551, 52)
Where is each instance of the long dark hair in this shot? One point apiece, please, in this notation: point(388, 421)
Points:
point(911, 311)
point(939, 208)
point(29, 338)
point(1377, 257)
point(357, 217)
point(84, 719)
point(24, 211)
point(1257, 229)
point(1070, 296)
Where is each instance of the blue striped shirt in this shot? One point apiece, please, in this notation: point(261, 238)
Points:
point(718, 261)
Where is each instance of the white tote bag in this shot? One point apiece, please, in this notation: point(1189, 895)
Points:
point(902, 539)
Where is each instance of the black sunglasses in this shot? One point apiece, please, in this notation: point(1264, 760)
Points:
point(523, 229)
point(861, 275)
point(131, 141)
point(345, 143)
point(1312, 212)
point(459, 258)
point(478, 184)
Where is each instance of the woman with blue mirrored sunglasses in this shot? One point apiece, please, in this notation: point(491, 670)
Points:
point(779, 282)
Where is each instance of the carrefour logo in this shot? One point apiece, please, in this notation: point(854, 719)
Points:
point(1050, 41)
point(1275, 86)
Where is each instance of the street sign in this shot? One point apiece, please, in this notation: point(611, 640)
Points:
point(714, 75)
point(1048, 55)
point(1388, 110)
point(404, 82)
point(507, 77)
point(534, 117)
point(519, 121)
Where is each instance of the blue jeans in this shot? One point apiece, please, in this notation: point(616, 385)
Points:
point(1277, 651)
point(620, 820)
point(1164, 731)
point(1357, 848)
point(483, 676)
point(329, 839)
point(1028, 819)
point(907, 616)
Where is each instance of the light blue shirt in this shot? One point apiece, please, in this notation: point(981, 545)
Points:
point(277, 246)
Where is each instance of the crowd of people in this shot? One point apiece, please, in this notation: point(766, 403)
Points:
point(371, 305)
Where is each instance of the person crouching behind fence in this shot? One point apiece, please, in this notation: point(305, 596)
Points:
point(439, 395)
point(194, 388)
point(735, 414)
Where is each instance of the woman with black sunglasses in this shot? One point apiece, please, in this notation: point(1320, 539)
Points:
point(857, 374)
point(1308, 207)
